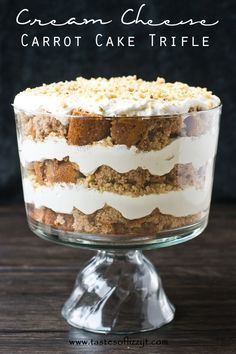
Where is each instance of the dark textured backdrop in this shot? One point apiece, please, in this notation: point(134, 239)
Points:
point(213, 66)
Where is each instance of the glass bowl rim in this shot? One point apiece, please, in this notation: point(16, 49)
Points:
point(169, 115)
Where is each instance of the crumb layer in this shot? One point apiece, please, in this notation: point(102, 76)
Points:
point(83, 128)
point(108, 221)
point(135, 182)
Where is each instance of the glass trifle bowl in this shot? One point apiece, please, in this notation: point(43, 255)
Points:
point(118, 165)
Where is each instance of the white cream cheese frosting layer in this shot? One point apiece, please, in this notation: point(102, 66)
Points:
point(117, 96)
point(62, 198)
point(195, 150)
point(60, 109)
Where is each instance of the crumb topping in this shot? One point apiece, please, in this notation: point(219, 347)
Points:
point(125, 87)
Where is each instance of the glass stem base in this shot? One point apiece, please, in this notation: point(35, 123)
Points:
point(118, 292)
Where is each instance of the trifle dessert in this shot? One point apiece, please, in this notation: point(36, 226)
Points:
point(118, 156)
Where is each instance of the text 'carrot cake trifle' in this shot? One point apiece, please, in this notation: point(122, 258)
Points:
point(119, 156)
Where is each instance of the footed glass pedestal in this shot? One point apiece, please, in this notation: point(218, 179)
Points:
point(118, 292)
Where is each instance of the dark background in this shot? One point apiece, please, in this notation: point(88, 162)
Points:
point(213, 67)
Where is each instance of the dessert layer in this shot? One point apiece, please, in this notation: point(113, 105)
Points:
point(63, 197)
point(183, 150)
point(120, 96)
point(109, 221)
point(135, 182)
point(152, 133)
